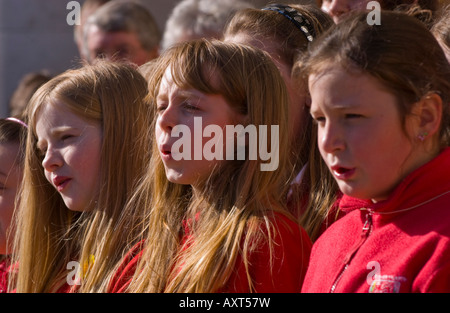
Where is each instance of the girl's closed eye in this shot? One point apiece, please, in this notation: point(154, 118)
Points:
point(66, 137)
point(160, 107)
point(41, 150)
point(353, 116)
point(188, 106)
point(41, 153)
point(317, 118)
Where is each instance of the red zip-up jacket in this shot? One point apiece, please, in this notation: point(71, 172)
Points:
point(4, 274)
point(291, 254)
point(401, 244)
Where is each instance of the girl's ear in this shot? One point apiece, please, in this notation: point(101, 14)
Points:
point(242, 119)
point(429, 113)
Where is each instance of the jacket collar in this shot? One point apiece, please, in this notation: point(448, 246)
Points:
point(424, 183)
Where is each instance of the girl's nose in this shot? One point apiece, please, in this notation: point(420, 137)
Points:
point(330, 139)
point(52, 160)
point(167, 119)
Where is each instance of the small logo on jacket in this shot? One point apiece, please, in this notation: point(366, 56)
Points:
point(382, 283)
point(386, 284)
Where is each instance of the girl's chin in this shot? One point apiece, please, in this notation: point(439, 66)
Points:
point(359, 193)
point(352, 191)
point(78, 207)
point(176, 177)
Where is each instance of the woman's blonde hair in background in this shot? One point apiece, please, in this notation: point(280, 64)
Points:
point(313, 199)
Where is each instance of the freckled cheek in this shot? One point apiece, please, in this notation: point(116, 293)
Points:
point(82, 161)
point(72, 157)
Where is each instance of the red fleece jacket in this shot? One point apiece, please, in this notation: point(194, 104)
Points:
point(4, 273)
point(401, 244)
point(291, 254)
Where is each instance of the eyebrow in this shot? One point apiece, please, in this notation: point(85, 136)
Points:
point(189, 93)
point(342, 105)
point(161, 97)
point(345, 105)
point(184, 94)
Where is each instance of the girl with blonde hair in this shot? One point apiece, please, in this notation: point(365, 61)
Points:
point(218, 224)
point(285, 32)
point(87, 147)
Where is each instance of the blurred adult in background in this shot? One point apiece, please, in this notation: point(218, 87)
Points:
point(25, 89)
point(195, 19)
point(121, 31)
point(87, 9)
point(441, 30)
point(339, 9)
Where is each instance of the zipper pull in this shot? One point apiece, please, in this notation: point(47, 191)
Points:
point(366, 229)
point(368, 224)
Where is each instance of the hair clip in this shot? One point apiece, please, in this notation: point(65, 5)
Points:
point(13, 119)
point(295, 17)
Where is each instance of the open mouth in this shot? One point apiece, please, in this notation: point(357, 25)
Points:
point(342, 172)
point(165, 152)
point(61, 182)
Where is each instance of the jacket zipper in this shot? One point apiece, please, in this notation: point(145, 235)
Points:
point(366, 230)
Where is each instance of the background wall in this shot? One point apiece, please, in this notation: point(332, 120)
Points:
point(34, 36)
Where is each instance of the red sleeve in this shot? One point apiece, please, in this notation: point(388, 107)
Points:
point(126, 270)
point(291, 251)
point(436, 280)
point(4, 276)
